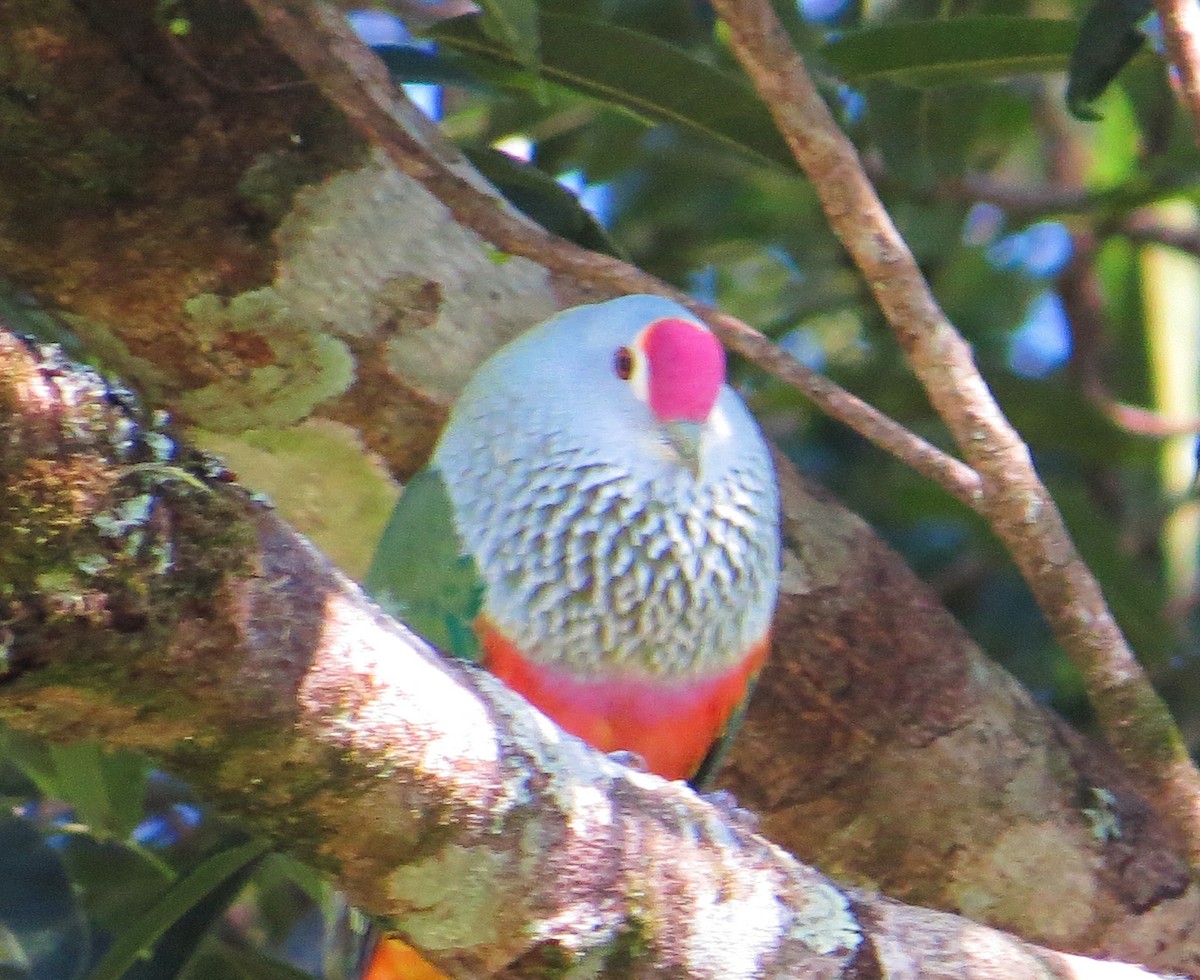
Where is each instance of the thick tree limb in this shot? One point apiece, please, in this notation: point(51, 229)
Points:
point(883, 745)
point(1021, 511)
point(215, 640)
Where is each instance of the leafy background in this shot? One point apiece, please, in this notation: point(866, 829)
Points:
point(625, 125)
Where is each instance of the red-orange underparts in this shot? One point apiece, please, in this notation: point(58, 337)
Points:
point(671, 726)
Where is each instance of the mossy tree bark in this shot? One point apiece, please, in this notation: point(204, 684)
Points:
point(204, 220)
point(153, 605)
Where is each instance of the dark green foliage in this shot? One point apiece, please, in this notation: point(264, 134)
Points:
point(654, 80)
point(942, 52)
point(539, 196)
point(514, 24)
point(1108, 39)
point(177, 921)
point(408, 64)
point(107, 872)
point(47, 938)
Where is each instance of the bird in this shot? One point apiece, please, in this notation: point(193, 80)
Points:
point(599, 527)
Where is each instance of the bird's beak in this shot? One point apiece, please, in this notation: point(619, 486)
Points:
point(684, 438)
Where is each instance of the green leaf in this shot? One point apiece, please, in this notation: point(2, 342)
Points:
point(1108, 39)
point(213, 874)
point(104, 788)
point(513, 23)
point(657, 82)
point(43, 935)
point(19, 312)
point(112, 880)
point(788, 12)
point(280, 866)
point(15, 786)
point(937, 52)
point(538, 195)
point(218, 959)
point(407, 64)
point(32, 758)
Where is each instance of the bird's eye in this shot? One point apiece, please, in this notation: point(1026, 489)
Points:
point(623, 363)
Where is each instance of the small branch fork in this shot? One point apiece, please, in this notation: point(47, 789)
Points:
point(1021, 511)
point(999, 481)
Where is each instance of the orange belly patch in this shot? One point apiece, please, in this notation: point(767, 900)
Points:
point(394, 959)
point(671, 725)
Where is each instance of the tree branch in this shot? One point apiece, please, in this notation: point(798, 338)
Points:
point(323, 45)
point(1145, 230)
point(244, 662)
point(1079, 287)
point(875, 707)
point(1181, 30)
point(1021, 203)
point(1021, 511)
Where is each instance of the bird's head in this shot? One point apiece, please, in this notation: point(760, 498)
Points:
point(636, 382)
point(676, 367)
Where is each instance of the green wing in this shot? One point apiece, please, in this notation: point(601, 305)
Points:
point(419, 573)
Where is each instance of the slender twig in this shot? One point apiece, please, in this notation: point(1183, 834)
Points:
point(952, 475)
point(1021, 203)
point(1143, 229)
point(1140, 421)
point(1020, 509)
point(215, 81)
point(1025, 204)
point(1146, 231)
point(1181, 31)
point(322, 44)
point(1079, 287)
